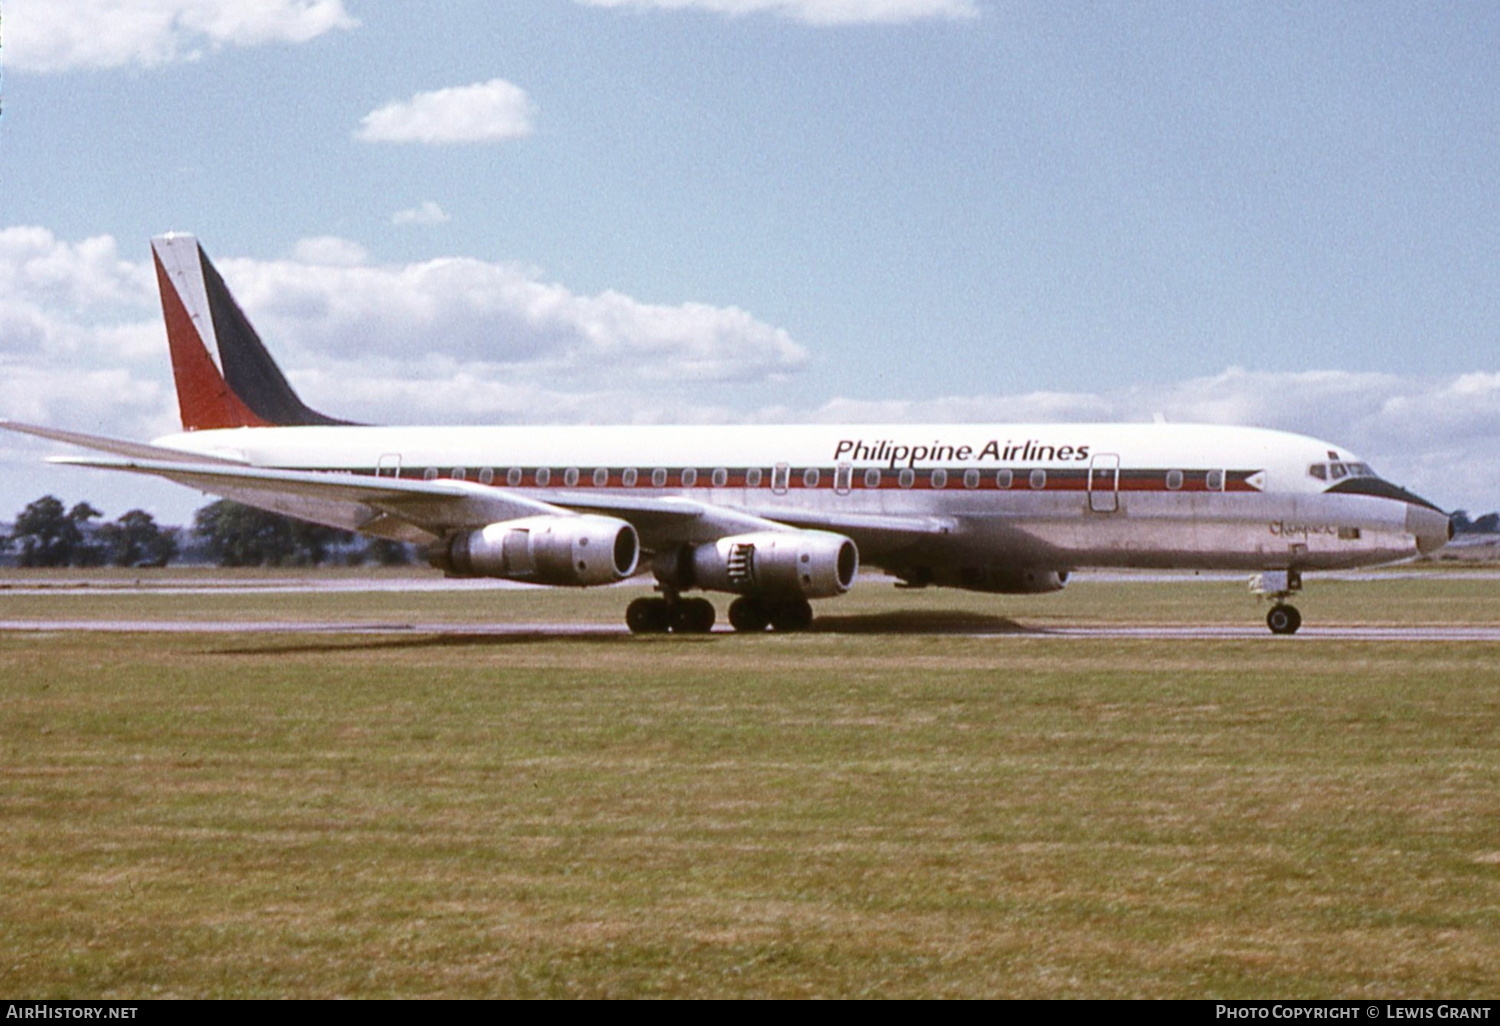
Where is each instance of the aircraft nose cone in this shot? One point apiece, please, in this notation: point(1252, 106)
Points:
point(1430, 527)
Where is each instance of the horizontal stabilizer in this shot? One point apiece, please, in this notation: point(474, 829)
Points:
point(102, 443)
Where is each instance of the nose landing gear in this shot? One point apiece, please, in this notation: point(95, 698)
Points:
point(1278, 586)
point(1283, 619)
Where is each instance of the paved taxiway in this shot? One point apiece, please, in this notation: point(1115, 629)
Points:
point(834, 625)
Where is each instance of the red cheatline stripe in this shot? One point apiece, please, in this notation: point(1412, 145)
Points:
point(1057, 480)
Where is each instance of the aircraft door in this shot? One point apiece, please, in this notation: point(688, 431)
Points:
point(781, 477)
point(389, 465)
point(1104, 483)
point(843, 479)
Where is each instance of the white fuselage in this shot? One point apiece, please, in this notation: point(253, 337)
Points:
point(1057, 496)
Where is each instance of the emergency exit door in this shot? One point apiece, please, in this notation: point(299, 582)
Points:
point(1104, 482)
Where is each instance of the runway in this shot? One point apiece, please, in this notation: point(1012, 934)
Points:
point(831, 625)
point(209, 583)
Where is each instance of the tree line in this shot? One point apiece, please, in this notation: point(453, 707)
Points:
point(49, 534)
point(1489, 523)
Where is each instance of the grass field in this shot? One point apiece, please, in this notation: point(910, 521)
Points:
point(885, 809)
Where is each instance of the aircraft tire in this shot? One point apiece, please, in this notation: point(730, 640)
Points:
point(693, 616)
point(791, 615)
point(749, 615)
point(648, 616)
point(1283, 619)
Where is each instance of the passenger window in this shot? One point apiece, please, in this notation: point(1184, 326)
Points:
point(940, 478)
point(628, 477)
point(907, 477)
point(486, 475)
point(1004, 478)
point(659, 477)
point(1174, 479)
point(601, 477)
point(752, 477)
point(872, 477)
point(1038, 479)
point(543, 475)
point(810, 477)
point(721, 477)
point(570, 476)
point(689, 477)
point(971, 478)
point(459, 473)
point(513, 477)
point(1214, 480)
point(430, 474)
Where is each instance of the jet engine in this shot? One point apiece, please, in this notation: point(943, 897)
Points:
point(777, 564)
point(566, 551)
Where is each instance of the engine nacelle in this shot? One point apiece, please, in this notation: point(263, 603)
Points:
point(809, 564)
point(566, 551)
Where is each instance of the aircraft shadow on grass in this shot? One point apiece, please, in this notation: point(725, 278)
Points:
point(924, 622)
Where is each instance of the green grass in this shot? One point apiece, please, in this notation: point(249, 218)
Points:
point(834, 814)
point(1430, 597)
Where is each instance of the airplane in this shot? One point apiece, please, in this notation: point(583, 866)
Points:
point(773, 515)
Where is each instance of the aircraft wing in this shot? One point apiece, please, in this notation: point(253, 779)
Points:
point(422, 511)
point(874, 533)
point(417, 511)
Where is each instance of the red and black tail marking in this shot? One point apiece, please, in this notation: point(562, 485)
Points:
point(225, 377)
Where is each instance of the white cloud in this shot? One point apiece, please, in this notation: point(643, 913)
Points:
point(61, 298)
point(329, 251)
point(818, 12)
point(485, 112)
point(457, 313)
point(426, 212)
point(63, 35)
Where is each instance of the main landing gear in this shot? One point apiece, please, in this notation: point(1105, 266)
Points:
point(752, 614)
point(747, 614)
point(1278, 586)
point(675, 614)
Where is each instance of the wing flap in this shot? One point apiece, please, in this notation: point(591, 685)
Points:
point(350, 501)
point(876, 534)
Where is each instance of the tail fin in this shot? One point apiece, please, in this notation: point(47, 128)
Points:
point(225, 378)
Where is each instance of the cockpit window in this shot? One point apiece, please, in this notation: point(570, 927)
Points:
point(1337, 471)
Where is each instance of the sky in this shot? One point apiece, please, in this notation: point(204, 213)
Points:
point(754, 211)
